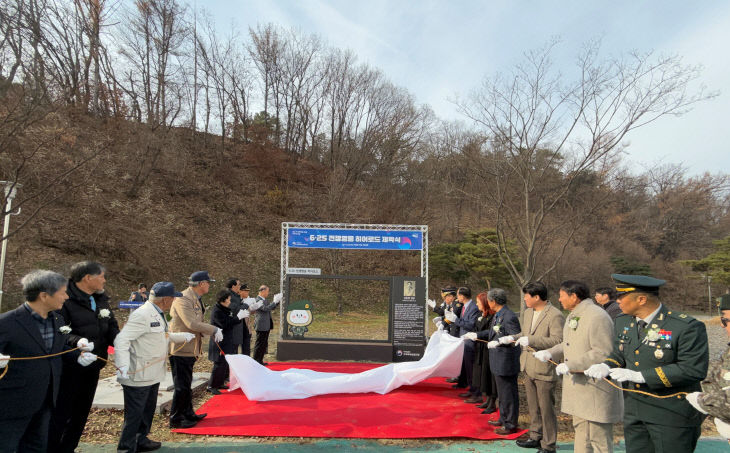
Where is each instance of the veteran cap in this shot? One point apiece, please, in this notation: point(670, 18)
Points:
point(626, 284)
point(165, 289)
point(200, 276)
point(725, 302)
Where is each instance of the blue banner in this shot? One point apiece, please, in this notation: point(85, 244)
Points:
point(326, 238)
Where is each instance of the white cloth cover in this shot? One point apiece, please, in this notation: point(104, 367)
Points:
point(443, 358)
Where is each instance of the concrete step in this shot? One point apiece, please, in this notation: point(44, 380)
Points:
point(109, 394)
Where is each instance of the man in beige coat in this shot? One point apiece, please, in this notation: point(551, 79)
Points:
point(587, 340)
point(542, 328)
point(187, 316)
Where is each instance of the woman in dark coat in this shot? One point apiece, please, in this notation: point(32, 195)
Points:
point(221, 316)
point(483, 377)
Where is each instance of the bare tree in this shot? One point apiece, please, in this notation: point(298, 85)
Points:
point(553, 139)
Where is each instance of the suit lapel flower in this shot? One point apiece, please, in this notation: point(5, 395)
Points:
point(104, 313)
point(65, 330)
point(573, 322)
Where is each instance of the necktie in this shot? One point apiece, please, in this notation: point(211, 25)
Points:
point(642, 325)
point(93, 303)
point(463, 309)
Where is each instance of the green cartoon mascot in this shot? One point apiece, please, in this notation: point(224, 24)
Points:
point(299, 316)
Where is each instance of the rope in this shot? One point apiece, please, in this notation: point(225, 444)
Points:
point(162, 359)
point(612, 384)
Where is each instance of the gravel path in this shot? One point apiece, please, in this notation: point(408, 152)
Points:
point(717, 339)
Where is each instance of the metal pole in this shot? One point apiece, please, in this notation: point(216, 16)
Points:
point(709, 292)
point(10, 189)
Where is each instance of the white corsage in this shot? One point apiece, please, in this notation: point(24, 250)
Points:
point(497, 327)
point(653, 335)
point(65, 330)
point(573, 323)
point(726, 376)
point(480, 318)
point(104, 313)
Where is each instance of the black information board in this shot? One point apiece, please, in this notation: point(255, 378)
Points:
point(407, 302)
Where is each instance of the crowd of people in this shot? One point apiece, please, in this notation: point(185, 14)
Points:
point(623, 356)
point(66, 326)
point(646, 365)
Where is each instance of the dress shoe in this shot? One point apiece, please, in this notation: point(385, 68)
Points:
point(465, 395)
point(213, 391)
point(182, 424)
point(495, 422)
point(457, 386)
point(452, 380)
point(528, 443)
point(542, 450)
point(149, 445)
point(223, 387)
point(489, 410)
point(198, 417)
point(502, 431)
point(474, 400)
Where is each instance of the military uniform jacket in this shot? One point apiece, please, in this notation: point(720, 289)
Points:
point(587, 340)
point(451, 327)
point(715, 397)
point(186, 315)
point(672, 356)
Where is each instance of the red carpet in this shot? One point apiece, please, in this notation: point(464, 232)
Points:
point(428, 409)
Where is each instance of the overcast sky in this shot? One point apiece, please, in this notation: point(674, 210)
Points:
point(442, 49)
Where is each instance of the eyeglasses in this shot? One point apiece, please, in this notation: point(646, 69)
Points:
point(724, 321)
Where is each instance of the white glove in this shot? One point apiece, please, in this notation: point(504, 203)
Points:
point(181, 337)
point(623, 375)
point(543, 356)
point(122, 372)
point(523, 341)
point(218, 335)
point(562, 369)
point(437, 320)
point(243, 314)
point(507, 340)
point(597, 371)
point(85, 345)
point(441, 326)
point(255, 305)
point(693, 399)
point(450, 316)
point(722, 428)
point(431, 303)
point(278, 297)
point(4, 359)
point(470, 336)
point(492, 344)
point(86, 358)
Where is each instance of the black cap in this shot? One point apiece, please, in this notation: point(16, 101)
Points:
point(725, 302)
point(449, 290)
point(244, 287)
point(626, 284)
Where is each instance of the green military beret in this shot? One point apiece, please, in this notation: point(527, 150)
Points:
point(725, 302)
point(626, 284)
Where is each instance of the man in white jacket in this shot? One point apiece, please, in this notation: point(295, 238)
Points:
point(140, 354)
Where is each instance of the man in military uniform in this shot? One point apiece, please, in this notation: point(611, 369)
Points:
point(714, 399)
point(449, 304)
point(659, 351)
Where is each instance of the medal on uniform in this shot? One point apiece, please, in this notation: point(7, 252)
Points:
point(658, 353)
point(621, 347)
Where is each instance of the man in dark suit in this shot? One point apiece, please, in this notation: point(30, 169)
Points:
point(30, 387)
point(87, 311)
point(263, 322)
point(504, 360)
point(466, 322)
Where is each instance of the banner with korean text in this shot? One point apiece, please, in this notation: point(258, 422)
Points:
point(326, 238)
